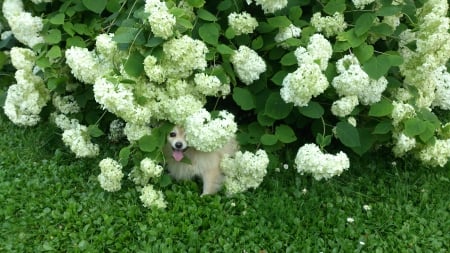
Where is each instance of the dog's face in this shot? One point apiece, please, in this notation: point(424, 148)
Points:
point(177, 142)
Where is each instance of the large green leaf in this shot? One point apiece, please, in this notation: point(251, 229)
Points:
point(347, 134)
point(414, 127)
point(363, 23)
point(285, 134)
point(96, 6)
point(209, 33)
point(244, 98)
point(334, 6)
point(276, 108)
point(134, 65)
point(313, 110)
point(382, 108)
point(148, 143)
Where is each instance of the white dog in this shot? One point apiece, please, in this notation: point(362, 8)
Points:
point(206, 165)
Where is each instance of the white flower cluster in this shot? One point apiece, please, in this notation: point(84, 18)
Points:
point(308, 80)
point(210, 85)
point(134, 132)
point(154, 72)
point(162, 22)
point(177, 110)
point(111, 175)
point(26, 98)
point(206, 134)
point(436, 154)
point(344, 106)
point(66, 104)
point(329, 25)
point(152, 198)
point(270, 6)
point(242, 23)
point(85, 65)
point(403, 144)
point(360, 4)
point(147, 169)
point(286, 33)
point(107, 47)
point(442, 97)
point(353, 81)
point(310, 159)
point(24, 26)
point(401, 112)
point(247, 64)
point(245, 170)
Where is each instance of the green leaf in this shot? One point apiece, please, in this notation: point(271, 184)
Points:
point(366, 140)
point(313, 110)
point(377, 67)
point(148, 143)
point(96, 6)
point(323, 141)
point(382, 108)
point(75, 41)
point(165, 181)
point(269, 139)
point(134, 66)
point(279, 77)
point(295, 13)
point(185, 23)
point(257, 43)
point(225, 5)
point(334, 6)
point(363, 23)
point(54, 52)
point(125, 34)
point(279, 21)
point(414, 127)
point(53, 36)
point(394, 58)
point(428, 133)
point(389, 10)
point(94, 131)
point(124, 155)
point(206, 15)
point(382, 29)
point(224, 49)
point(351, 37)
point(244, 98)
point(58, 19)
point(364, 52)
point(285, 134)
point(209, 33)
point(347, 134)
point(264, 120)
point(276, 108)
point(196, 3)
point(383, 127)
point(288, 59)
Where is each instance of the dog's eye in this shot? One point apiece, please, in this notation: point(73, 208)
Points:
point(172, 134)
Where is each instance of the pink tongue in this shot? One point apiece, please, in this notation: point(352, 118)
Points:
point(178, 155)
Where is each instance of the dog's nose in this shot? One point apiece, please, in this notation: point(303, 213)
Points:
point(178, 145)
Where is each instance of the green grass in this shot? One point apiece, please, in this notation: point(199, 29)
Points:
point(53, 202)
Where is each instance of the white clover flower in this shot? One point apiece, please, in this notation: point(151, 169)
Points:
point(401, 112)
point(310, 159)
point(360, 4)
point(436, 154)
point(300, 86)
point(177, 110)
point(286, 33)
point(66, 104)
point(162, 22)
point(206, 134)
point(247, 64)
point(118, 98)
point(116, 130)
point(24, 26)
point(85, 65)
point(79, 141)
point(344, 106)
point(367, 208)
point(403, 144)
point(155, 72)
point(329, 25)
point(182, 56)
point(135, 132)
point(111, 175)
point(320, 50)
point(210, 85)
point(25, 100)
point(350, 220)
point(245, 170)
point(147, 169)
point(152, 198)
point(270, 6)
point(23, 58)
point(442, 94)
point(242, 23)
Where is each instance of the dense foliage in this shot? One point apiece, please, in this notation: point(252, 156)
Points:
point(291, 79)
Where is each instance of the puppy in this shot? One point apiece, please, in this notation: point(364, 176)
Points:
point(206, 165)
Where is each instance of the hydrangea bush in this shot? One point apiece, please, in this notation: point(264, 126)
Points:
point(301, 82)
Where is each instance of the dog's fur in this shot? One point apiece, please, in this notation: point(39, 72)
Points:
point(206, 165)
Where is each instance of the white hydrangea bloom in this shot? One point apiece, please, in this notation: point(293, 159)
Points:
point(134, 132)
point(85, 65)
point(25, 100)
point(162, 22)
point(442, 94)
point(403, 144)
point(66, 104)
point(320, 50)
point(310, 159)
point(147, 169)
point(242, 23)
point(244, 170)
point(116, 131)
point(344, 106)
point(270, 6)
point(155, 72)
point(182, 56)
point(24, 26)
point(210, 85)
point(107, 47)
point(152, 198)
point(286, 33)
point(360, 4)
point(79, 141)
point(177, 110)
point(393, 21)
point(247, 64)
point(23, 58)
point(329, 25)
point(436, 154)
point(206, 134)
point(179, 87)
point(401, 112)
point(111, 175)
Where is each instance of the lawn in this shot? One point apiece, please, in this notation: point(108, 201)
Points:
point(53, 202)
